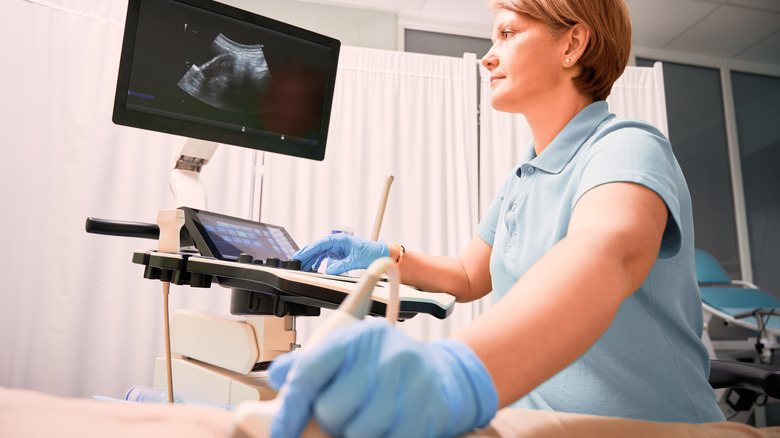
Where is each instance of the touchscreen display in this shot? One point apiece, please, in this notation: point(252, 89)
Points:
point(228, 237)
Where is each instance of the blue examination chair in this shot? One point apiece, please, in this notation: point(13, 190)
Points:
point(749, 321)
point(739, 304)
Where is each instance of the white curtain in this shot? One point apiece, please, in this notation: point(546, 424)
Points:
point(637, 94)
point(408, 115)
point(76, 316)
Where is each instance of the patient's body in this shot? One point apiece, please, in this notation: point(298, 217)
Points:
point(33, 414)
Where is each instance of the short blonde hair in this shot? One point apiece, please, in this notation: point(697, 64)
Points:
point(606, 56)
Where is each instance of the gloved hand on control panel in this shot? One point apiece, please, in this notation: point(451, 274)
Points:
point(344, 253)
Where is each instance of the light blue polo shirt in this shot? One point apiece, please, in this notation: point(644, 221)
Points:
point(650, 364)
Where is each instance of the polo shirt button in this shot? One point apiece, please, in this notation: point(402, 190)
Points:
point(531, 169)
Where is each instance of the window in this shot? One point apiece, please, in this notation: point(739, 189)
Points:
point(697, 131)
point(434, 43)
point(757, 106)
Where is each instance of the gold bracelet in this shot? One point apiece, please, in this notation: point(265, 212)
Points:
point(401, 252)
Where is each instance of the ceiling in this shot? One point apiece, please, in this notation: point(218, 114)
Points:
point(740, 30)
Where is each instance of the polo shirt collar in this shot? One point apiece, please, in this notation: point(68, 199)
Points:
point(565, 145)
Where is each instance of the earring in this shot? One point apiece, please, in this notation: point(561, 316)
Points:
point(568, 61)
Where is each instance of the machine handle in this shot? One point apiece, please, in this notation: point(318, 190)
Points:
point(131, 229)
point(122, 228)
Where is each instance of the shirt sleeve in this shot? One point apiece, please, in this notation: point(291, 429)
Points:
point(642, 156)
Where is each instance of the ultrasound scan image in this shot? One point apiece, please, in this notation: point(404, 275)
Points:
point(234, 79)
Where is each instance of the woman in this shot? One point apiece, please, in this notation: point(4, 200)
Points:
point(587, 247)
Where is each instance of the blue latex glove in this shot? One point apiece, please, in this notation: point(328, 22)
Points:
point(370, 379)
point(344, 253)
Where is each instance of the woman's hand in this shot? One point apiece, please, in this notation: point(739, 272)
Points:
point(370, 379)
point(344, 253)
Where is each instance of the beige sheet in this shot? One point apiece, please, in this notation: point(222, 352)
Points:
point(519, 423)
point(33, 414)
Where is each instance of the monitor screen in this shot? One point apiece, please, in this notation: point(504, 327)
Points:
point(206, 70)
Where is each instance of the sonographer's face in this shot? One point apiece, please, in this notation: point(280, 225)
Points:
point(524, 63)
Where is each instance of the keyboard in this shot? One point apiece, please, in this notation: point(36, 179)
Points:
point(290, 284)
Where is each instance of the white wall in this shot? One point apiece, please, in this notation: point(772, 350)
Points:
point(351, 26)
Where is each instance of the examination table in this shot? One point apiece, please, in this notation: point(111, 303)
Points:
point(26, 414)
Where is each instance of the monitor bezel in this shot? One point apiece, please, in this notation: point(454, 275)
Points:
point(122, 115)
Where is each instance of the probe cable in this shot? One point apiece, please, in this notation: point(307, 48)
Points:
point(170, 223)
point(167, 328)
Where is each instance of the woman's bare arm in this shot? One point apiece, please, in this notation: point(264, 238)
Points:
point(466, 277)
point(563, 304)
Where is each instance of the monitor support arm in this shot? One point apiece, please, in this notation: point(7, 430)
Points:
point(185, 180)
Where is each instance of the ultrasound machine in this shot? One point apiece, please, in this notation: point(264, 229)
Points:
point(214, 74)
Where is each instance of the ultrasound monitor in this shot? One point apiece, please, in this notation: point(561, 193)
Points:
point(205, 70)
